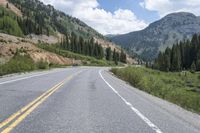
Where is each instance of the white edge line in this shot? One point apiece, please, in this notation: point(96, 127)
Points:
point(10, 81)
point(144, 118)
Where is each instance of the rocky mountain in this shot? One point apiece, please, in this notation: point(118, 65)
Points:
point(160, 34)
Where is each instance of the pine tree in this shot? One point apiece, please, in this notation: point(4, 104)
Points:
point(160, 62)
point(90, 49)
point(182, 56)
point(176, 58)
point(7, 5)
point(194, 45)
point(47, 30)
point(101, 52)
point(62, 43)
point(115, 57)
point(108, 54)
point(187, 59)
point(198, 65)
point(91, 42)
point(96, 50)
point(123, 56)
point(73, 42)
point(114, 54)
point(167, 59)
point(198, 60)
point(86, 50)
point(193, 67)
point(68, 47)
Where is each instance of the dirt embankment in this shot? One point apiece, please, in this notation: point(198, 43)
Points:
point(44, 38)
point(9, 44)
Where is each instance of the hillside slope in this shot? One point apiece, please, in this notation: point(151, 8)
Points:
point(10, 44)
point(160, 34)
point(42, 24)
point(44, 19)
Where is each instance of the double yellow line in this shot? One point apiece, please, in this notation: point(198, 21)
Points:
point(11, 122)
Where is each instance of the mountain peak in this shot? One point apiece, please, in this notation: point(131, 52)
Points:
point(175, 19)
point(180, 14)
point(161, 34)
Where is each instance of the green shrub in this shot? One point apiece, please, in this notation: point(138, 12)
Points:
point(42, 65)
point(19, 63)
point(170, 86)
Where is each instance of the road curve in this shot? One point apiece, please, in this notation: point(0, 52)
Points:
point(86, 100)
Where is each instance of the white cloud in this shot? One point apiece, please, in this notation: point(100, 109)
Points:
point(164, 7)
point(120, 22)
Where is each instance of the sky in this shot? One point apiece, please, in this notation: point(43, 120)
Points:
point(122, 16)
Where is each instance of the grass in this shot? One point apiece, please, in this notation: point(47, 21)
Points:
point(17, 64)
point(24, 63)
point(87, 60)
point(181, 88)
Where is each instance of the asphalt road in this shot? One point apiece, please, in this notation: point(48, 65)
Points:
point(85, 100)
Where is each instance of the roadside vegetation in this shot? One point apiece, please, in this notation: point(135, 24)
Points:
point(22, 62)
point(17, 64)
point(181, 88)
point(87, 60)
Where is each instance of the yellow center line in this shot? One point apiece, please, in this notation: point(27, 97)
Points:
point(22, 113)
point(8, 120)
point(23, 116)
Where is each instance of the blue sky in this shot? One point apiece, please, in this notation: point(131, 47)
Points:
point(122, 16)
point(133, 5)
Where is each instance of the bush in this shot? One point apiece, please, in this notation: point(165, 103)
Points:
point(42, 65)
point(18, 63)
point(170, 86)
point(23, 63)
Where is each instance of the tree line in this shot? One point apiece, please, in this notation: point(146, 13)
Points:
point(29, 26)
point(90, 47)
point(184, 55)
point(10, 22)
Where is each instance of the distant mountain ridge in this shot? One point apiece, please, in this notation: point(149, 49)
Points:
point(160, 34)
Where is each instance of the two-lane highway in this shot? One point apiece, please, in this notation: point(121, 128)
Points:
point(84, 100)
